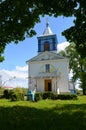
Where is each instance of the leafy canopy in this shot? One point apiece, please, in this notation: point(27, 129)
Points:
point(18, 17)
point(77, 64)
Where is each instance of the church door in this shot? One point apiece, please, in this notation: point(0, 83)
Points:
point(48, 85)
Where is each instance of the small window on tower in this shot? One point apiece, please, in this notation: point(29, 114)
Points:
point(46, 47)
point(47, 68)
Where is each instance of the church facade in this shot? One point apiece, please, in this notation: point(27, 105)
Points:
point(48, 71)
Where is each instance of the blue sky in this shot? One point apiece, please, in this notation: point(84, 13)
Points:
point(17, 55)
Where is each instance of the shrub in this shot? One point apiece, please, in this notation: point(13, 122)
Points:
point(15, 95)
point(38, 96)
point(1, 92)
point(79, 92)
point(48, 95)
point(6, 94)
point(55, 97)
point(67, 96)
point(25, 91)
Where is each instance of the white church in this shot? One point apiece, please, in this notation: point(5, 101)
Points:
point(48, 71)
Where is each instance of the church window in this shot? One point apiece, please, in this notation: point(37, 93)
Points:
point(47, 68)
point(46, 47)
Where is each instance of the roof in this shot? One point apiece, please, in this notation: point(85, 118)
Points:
point(8, 87)
point(43, 56)
point(47, 30)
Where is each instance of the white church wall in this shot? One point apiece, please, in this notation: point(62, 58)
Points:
point(63, 81)
point(40, 85)
point(62, 69)
point(61, 65)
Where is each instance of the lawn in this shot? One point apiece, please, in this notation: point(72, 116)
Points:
point(43, 115)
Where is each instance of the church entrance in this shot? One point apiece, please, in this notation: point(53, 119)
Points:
point(48, 85)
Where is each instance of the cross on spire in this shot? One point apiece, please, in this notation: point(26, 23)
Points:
point(47, 30)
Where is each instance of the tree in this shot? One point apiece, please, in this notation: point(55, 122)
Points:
point(77, 64)
point(17, 18)
point(77, 33)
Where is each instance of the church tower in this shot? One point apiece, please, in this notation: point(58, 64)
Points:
point(47, 41)
point(48, 71)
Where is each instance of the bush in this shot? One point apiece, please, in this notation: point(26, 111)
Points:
point(13, 96)
point(48, 95)
point(67, 96)
point(79, 92)
point(38, 96)
point(6, 94)
point(1, 92)
point(25, 91)
point(54, 96)
point(16, 95)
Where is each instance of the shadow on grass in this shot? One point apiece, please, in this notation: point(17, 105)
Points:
point(67, 117)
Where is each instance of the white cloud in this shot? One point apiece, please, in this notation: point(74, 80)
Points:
point(24, 68)
point(20, 74)
point(62, 46)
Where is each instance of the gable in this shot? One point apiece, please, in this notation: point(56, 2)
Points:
point(46, 56)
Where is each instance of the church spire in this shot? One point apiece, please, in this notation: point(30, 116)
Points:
point(47, 30)
point(47, 41)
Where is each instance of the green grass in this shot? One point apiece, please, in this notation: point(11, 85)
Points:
point(43, 115)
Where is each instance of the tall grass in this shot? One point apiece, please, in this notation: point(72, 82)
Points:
point(43, 115)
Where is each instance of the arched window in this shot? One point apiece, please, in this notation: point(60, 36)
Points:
point(46, 47)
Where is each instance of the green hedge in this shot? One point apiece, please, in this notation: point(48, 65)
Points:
point(17, 94)
point(48, 95)
point(38, 96)
point(54, 96)
point(67, 96)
